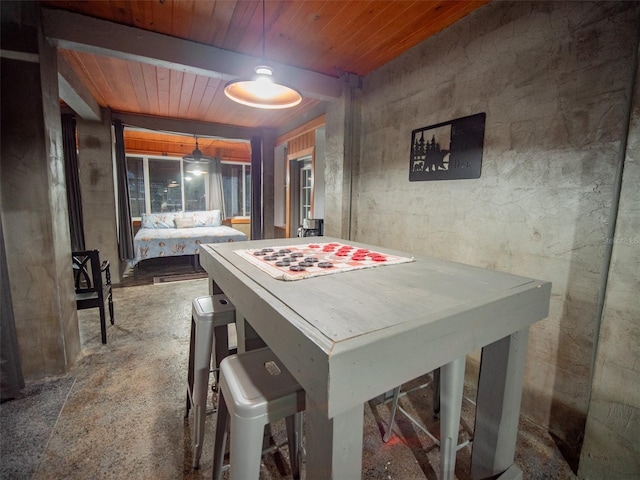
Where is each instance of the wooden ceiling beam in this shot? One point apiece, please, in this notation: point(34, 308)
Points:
point(73, 31)
point(189, 127)
point(73, 92)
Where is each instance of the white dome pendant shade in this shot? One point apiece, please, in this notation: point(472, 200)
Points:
point(261, 91)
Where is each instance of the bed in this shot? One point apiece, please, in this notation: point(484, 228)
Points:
point(180, 233)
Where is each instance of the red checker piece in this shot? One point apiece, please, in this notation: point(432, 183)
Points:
point(342, 253)
point(358, 258)
point(313, 245)
point(379, 258)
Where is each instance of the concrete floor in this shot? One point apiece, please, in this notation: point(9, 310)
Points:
point(124, 416)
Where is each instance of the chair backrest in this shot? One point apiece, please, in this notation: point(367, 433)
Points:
point(86, 271)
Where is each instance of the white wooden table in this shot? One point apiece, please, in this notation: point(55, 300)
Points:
point(352, 336)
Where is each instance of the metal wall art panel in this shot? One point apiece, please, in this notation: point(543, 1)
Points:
point(448, 151)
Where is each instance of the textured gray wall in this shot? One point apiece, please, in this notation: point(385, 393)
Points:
point(34, 206)
point(342, 150)
point(611, 449)
point(551, 77)
point(97, 190)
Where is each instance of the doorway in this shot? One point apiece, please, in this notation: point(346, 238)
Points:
point(299, 195)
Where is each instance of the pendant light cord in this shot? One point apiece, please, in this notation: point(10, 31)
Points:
point(264, 56)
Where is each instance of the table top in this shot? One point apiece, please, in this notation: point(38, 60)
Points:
point(351, 336)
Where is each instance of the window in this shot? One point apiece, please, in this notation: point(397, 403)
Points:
point(306, 184)
point(195, 198)
point(163, 185)
point(236, 186)
point(135, 180)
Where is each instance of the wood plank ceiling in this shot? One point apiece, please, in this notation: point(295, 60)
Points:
point(325, 36)
point(163, 144)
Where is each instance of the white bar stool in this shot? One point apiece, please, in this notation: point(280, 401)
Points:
point(447, 399)
point(255, 389)
point(211, 317)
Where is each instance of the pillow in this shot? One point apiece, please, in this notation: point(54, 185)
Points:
point(210, 218)
point(157, 220)
point(185, 222)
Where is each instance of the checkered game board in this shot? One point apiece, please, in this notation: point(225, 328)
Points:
point(298, 262)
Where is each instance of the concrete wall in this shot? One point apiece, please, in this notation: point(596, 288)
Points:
point(318, 177)
point(97, 190)
point(34, 204)
point(611, 449)
point(342, 123)
point(279, 186)
point(552, 79)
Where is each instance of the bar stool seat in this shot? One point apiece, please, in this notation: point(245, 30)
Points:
point(211, 317)
point(255, 389)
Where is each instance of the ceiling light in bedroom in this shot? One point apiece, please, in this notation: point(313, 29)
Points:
point(196, 157)
point(196, 170)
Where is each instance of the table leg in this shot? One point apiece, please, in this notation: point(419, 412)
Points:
point(214, 289)
point(248, 338)
point(334, 446)
point(220, 347)
point(498, 405)
point(451, 389)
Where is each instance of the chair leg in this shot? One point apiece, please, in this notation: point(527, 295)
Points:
point(245, 448)
point(103, 324)
point(220, 442)
point(294, 433)
point(436, 392)
point(396, 393)
point(387, 433)
point(299, 421)
point(201, 368)
point(111, 309)
point(190, 372)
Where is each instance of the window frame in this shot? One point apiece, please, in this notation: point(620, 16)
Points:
point(147, 184)
point(243, 184)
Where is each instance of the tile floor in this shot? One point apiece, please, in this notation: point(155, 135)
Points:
point(124, 416)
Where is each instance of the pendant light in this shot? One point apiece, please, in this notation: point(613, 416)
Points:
point(198, 162)
point(196, 156)
point(261, 91)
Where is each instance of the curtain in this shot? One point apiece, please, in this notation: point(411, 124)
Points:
point(125, 230)
point(216, 196)
point(74, 199)
point(11, 379)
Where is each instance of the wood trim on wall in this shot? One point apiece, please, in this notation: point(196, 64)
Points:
point(310, 126)
point(296, 146)
point(301, 142)
point(304, 152)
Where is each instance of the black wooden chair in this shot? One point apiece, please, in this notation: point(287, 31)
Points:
point(92, 281)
